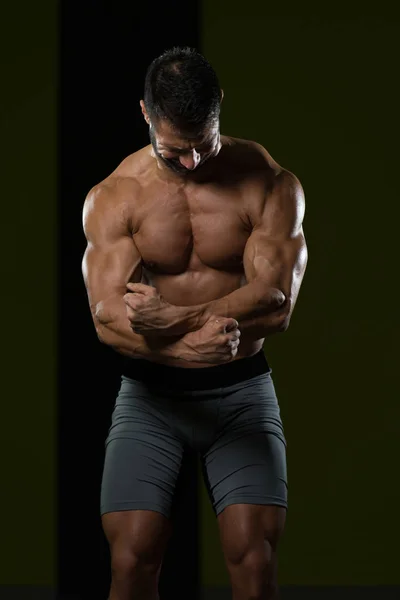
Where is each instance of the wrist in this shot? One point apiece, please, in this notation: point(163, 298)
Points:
point(183, 349)
point(185, 319)
point(175, 351)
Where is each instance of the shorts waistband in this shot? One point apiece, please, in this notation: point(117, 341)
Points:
point(179, 378)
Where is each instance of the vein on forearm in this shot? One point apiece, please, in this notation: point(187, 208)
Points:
point(253, 300)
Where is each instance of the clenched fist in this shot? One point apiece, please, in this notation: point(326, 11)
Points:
point(146, 309)
point(215, 343)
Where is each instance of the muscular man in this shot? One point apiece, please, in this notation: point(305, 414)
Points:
point(195, 254)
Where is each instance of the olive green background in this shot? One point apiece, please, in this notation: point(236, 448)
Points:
point(28, 34)
point(321, 94)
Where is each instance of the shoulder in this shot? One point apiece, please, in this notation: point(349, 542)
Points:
point(111, 194)
point(281, 184)
point(287, 189)
point(250, 153)
point(278, 189)
point(109, 204)
point(284, 206)
point(256, 154)
point(136, 165)
point(255, 163)
point(122, 185)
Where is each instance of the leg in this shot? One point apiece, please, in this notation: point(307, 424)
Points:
point(245, 471)
point(249, 537)
point(142, 463)
point(137, 539)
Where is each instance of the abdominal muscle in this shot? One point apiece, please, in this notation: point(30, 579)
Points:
point(198, 287)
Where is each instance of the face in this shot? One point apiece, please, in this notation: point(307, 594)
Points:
point(183, 154)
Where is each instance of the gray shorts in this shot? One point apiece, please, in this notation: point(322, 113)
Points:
point(236, 430)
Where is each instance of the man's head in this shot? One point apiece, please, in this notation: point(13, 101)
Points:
point(182, 99)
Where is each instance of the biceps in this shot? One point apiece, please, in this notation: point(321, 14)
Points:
point(107, 270)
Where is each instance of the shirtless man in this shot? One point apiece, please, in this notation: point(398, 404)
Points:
point(195, 254)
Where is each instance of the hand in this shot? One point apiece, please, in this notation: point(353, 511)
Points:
point(146, 309)
point(215, 343)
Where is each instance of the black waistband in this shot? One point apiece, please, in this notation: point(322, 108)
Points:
point(196, 379)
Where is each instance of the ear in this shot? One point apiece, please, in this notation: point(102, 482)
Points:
point(144, 112)
point(222, 95)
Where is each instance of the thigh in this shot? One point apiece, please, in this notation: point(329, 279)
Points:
point(143, 455)
point(246, 464)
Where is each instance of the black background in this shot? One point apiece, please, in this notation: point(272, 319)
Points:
point(105, 51)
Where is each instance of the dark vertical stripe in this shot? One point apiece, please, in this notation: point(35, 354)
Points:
point(105, 50)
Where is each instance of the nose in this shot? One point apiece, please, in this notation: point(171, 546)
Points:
point(190, 160)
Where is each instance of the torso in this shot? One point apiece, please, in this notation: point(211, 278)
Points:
point(191, 235)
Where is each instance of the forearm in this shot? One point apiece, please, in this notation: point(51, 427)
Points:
point(264, 325)
point(251, 302)
point(128, 343)
point(113, 329)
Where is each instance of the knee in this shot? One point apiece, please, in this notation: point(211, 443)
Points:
point(252, 552)
point(254, 561)
point(128, 564)
point(252, 573)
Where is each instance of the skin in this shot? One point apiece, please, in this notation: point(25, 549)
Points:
point(194, 256)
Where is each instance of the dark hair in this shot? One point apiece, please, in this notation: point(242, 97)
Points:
point(182, 86)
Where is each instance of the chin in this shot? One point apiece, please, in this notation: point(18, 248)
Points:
point(177, 170)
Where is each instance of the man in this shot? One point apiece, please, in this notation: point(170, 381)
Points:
point(195, 254)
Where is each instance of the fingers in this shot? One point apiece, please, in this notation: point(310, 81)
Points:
point(141, 288)
point(232, 341)
point(233, 332)
point(233, 348)
point(231, 324)
point(132, 303)
point(133, 300)
point(226, 324)
point(131, 314)
point(129, 300)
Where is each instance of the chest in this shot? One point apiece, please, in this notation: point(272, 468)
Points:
point(181, 231)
